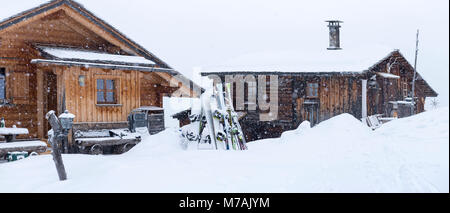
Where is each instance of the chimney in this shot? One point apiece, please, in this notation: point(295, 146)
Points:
point(335, 40)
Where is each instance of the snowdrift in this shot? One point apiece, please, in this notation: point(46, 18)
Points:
point(338, 155)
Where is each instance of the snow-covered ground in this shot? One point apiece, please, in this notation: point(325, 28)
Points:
point(338, 155)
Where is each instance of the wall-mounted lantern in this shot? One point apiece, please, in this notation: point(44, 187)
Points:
point(82, 80)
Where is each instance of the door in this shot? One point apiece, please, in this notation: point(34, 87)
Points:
point(311, 113)
point(51, 96)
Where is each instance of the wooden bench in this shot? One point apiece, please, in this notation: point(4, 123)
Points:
point(11, 133)
point(25, 146)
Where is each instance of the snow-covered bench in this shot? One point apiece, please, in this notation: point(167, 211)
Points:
point(11, 133)
point(26, 146)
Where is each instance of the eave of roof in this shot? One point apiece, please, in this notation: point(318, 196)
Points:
point(102, 64)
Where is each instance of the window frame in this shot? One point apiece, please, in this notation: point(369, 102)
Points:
point(313, 89)
point(116, 90)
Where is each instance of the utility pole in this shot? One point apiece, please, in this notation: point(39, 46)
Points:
point(414, 77)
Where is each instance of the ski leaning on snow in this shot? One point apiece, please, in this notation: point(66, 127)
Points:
point(221, 115)
point(215, 125)
point(233, 118)
point(207, 138)
point(218, 120)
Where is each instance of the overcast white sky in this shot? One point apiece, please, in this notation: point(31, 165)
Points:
point(191, 33)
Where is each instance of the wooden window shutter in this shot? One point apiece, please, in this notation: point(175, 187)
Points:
point(20, 87)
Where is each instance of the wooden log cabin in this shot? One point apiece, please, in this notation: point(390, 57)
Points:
point(318, 96)
point(59, 56)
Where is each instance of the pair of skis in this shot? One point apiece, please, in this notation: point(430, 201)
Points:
point(218, 123)
point(227, 131)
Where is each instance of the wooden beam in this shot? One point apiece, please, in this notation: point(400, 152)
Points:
point(40, 103)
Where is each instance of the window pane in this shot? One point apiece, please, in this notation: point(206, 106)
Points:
point(2, 83)
point(110, 97)
point(100, 84)
point(100, 97)
point(109, 84)
point(312, 90)
point(2, 88)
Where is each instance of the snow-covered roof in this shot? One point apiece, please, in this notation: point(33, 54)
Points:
point(388, 75)
point(76, 54)
point(350, 59)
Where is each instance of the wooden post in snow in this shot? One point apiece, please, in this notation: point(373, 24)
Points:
point(55, 141)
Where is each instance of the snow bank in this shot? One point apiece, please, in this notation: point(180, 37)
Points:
point(338, 155)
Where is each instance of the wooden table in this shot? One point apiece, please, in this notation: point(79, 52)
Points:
point(11, 133)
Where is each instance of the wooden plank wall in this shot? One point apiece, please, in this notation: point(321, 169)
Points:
point(21, 113)
point(339, 95)
point(81, 100)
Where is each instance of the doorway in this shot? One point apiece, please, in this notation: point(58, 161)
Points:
point(51, 94)
point(311, 112)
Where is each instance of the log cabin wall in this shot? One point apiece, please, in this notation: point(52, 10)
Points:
point(81, 99)
point(153, 89)
point(20, 107)
point(32, 90)
point(22, 86)
point(336, 94)
point(390, 89)
point(133, 89)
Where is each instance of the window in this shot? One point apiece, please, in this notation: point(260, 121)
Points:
point(106, 91)
point(2, 84)
point(312, 90)
point(405, 88)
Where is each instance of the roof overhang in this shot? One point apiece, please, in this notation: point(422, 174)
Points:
point(104, 65)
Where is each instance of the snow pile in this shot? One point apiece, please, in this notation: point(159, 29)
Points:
point(338, 155)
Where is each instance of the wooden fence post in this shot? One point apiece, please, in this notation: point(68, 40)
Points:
point(55, 142)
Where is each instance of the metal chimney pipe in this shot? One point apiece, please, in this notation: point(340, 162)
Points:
point(335, 40)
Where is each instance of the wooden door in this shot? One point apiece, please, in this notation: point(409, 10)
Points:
point(51, 96)
point(311, 113)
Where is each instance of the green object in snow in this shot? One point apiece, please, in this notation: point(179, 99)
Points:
point(15, 156)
